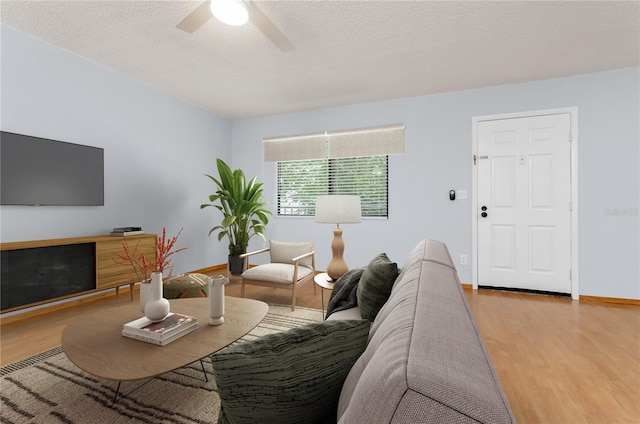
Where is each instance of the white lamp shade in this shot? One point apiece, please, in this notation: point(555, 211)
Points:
point(231, 12)
point(338, 209)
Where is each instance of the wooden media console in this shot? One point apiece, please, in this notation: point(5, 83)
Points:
point(41, 271)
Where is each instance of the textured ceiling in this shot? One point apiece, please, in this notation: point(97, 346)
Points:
point(346, 52)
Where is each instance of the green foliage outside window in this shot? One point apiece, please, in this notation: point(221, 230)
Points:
point(299, 182)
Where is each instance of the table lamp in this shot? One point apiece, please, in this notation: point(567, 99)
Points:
point(338, 209)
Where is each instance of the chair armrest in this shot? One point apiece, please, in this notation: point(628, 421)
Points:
point(255, 252)
point(296, 263)
point(297, 258)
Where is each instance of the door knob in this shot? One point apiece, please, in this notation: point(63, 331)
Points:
point(484, 208)
point(484, 214)
point(484, 211)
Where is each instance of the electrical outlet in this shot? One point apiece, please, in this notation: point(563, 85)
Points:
point(464, 260)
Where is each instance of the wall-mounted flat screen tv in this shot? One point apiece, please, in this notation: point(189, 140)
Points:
point(38, 171)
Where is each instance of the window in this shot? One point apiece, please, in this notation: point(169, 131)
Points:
point(338, 162)
point(299, 182)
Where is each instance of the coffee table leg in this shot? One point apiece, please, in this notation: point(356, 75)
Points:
point(204, 372)
point(115, 397)
point(117, 391)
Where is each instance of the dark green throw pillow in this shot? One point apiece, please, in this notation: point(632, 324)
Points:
point(291, 377)
point(375, 285)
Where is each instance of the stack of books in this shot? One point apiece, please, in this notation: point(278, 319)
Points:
point(161, 333)
point(126, 231)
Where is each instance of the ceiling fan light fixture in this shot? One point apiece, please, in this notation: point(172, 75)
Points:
point(231, 12)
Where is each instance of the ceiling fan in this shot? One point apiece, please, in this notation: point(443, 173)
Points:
point(203, 13)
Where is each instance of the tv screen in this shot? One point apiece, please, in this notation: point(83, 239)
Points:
point(38, 171)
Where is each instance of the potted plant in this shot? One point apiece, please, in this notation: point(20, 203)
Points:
point(150, 272)
point(243, 212)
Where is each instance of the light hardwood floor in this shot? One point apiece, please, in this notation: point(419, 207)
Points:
point(559, 361)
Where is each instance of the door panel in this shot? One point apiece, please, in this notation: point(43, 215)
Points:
point(541, 182)
point(504, 247)
point(503, 180)
point(541, 249)
point(523, 195)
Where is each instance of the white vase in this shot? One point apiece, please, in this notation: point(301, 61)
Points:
point(145, 295)
point(157, 307)
point(216, 298)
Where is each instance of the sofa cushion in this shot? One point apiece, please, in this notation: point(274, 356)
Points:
point(343, 296)
point(282, 252)
point(375, 285)
point(289, 377)
point(346, 314)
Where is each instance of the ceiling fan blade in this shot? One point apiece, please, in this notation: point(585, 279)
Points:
point(268, 28)
point(197, 18)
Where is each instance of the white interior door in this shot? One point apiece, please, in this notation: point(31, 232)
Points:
point(523, 203)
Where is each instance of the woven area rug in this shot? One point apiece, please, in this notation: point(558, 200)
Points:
point(48, 388)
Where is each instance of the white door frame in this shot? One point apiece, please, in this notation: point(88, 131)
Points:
point(573, 112)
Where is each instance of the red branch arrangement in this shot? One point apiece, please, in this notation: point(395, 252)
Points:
point(142, 266)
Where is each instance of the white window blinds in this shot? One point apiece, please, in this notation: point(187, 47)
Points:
point(337, 162)
point(299, 147)
point(387, 140)
point(300, 182)
point(366, 142)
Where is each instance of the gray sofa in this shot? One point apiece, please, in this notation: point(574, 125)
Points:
point(425, 361)
point(420, 360)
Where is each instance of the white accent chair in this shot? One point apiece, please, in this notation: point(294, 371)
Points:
point(291, 265)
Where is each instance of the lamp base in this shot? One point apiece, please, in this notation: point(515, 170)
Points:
point(337, 266)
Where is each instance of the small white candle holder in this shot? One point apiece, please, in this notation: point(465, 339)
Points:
point(216, 298)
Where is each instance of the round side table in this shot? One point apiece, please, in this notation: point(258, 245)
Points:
point(325, 282)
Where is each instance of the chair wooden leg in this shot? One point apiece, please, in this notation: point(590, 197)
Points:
point(293, 297)
point(242, 289)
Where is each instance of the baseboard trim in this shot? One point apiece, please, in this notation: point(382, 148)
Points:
point(210, 269)
point(635, 302)
point(125, 290)
point(619, 301)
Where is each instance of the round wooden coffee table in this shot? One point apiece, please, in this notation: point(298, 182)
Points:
point(95, 343)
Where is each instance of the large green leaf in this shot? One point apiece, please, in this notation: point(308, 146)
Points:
point(244, 214)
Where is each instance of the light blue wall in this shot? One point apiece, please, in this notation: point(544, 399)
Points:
point(156, 148)
point(438, 158)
